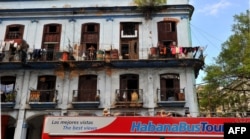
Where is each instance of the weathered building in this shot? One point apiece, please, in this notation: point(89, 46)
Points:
point(60, 57)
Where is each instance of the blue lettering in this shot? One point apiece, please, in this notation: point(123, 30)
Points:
point(144, 128)
point(135, 127)
point(181, 127)
point(196, 127)
point(203, 125)
point(175, 128)
point(151, 126)
point(209, 128)
point(219, 128)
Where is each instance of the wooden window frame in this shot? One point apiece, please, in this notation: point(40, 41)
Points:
point(17, 34)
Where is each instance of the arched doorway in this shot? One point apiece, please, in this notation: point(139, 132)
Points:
point(7, 127)
point(35, 125)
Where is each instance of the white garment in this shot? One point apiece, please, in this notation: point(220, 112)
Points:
point(7, 46)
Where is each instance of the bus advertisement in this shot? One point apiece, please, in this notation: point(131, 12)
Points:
point(136, 127)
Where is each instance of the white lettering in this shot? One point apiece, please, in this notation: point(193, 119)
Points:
point(243, 129)
point(235, 130)
point(231, 130)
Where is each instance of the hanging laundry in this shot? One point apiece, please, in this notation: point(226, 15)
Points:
point(7, 46)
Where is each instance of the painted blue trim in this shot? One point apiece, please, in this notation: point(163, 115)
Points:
point(82, 105)
point(42, 105)
point(6, 105)
point(175, 104)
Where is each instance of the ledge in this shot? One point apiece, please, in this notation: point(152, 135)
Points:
point(42, 105)
point(7, 105)
point(86, 105)
point(171, 103)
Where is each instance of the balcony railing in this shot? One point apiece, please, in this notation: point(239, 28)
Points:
point(8, 99)
point(129, 98)
point(87, 98)
point(43, 98)
point(13, 55)
point(171, 97)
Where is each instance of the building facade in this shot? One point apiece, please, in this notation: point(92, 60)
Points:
point(94, 58)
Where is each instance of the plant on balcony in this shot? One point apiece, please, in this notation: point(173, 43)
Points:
point(148, 7)
point(10, 97)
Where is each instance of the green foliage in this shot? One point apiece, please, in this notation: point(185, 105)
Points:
point(235, 55)
point(149, 2)
point(232, 67)
point(147, 7)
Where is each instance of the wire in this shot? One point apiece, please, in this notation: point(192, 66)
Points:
point(197, 28)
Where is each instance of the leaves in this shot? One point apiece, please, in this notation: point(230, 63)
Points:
point(147, 7)
point(227, 78)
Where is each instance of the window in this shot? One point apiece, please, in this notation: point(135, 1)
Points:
point(129, 83)
point(90, 34)
point(46, 88)
point(87, 88)
point(7, 88)
point(52, 29)
point(169, 86)
point(91, 28)
point(128, 28)
point(51, 41)
point(167, 31)
point(14, 32)
point(169, 26)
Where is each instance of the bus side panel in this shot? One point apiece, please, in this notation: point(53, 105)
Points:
point(110, 137)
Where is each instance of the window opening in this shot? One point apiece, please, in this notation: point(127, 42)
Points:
point(46, 88)
point(87, 89)
point(129, 83)
point(128, 28)
point(90, 28)
point(14, 32)
point(170, 87)
point(125, 51)
point(7, 88)
point(52, 29)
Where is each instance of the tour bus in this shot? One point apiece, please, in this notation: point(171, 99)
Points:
point(136, 127)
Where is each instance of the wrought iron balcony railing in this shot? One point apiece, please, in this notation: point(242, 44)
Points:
point(43, 96)
point(171, 94)
point(129, 98)
point(8, 96)
point(86, 95)
point(86, 98)
point(33, 55)
point(43, 99)
point(171, 97)
point(8, 99)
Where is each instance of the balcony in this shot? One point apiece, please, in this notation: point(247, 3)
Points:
point(43, 99)
point(41, 59)
point(171, 97)
point(87, 98)
point(8, 99)
point(128, 98)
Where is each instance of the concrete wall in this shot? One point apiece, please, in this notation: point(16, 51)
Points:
point(149, 81)
point(109, 32)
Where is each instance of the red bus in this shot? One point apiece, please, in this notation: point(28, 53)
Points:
point(136, 127)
